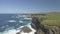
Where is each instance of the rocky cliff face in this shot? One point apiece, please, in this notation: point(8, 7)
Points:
point(42, 29)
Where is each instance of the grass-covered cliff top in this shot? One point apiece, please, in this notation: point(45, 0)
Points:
point(52, 18)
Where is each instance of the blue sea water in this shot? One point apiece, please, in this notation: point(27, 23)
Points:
point(13, 21)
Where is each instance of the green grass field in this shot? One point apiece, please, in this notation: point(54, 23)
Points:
point(52, 19)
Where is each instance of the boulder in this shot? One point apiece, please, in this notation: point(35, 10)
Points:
point(25, 30)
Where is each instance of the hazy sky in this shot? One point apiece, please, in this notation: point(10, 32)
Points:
point(23, 6)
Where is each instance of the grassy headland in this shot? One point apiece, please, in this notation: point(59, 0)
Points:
point(52, 18)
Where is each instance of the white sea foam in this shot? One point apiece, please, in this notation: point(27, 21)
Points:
point(11, 21)
point(32, 32)
point(18, 16)
point(28, 18)
point(14, 31)
point(21, 21)
point(10, 30)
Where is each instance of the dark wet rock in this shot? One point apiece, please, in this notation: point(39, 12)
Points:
point(18, 33)
point(25, 30)
point(36, 24)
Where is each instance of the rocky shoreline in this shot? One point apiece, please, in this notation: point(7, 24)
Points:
point(44, 29)
point(41, 29)
point(25, 30)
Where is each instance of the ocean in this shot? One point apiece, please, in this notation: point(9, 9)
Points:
point(11, 23)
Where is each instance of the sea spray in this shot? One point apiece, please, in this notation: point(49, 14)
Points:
point(12, 24)
point(28, 27)
point(14, 31)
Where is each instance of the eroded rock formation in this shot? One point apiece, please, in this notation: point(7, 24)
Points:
point(25, 30)
point(43, 29)
point(36, 24)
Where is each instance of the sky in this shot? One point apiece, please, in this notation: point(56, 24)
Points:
point(29, 6)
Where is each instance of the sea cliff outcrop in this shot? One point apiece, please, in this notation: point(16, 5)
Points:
point(36, 24)
point(43, 29)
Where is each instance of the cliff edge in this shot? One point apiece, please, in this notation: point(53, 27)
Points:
point(43, 29)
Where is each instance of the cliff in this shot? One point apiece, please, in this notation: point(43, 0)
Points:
point(43, 29)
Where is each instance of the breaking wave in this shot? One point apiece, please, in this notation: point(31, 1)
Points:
point(11, 30)
point(12, 25)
